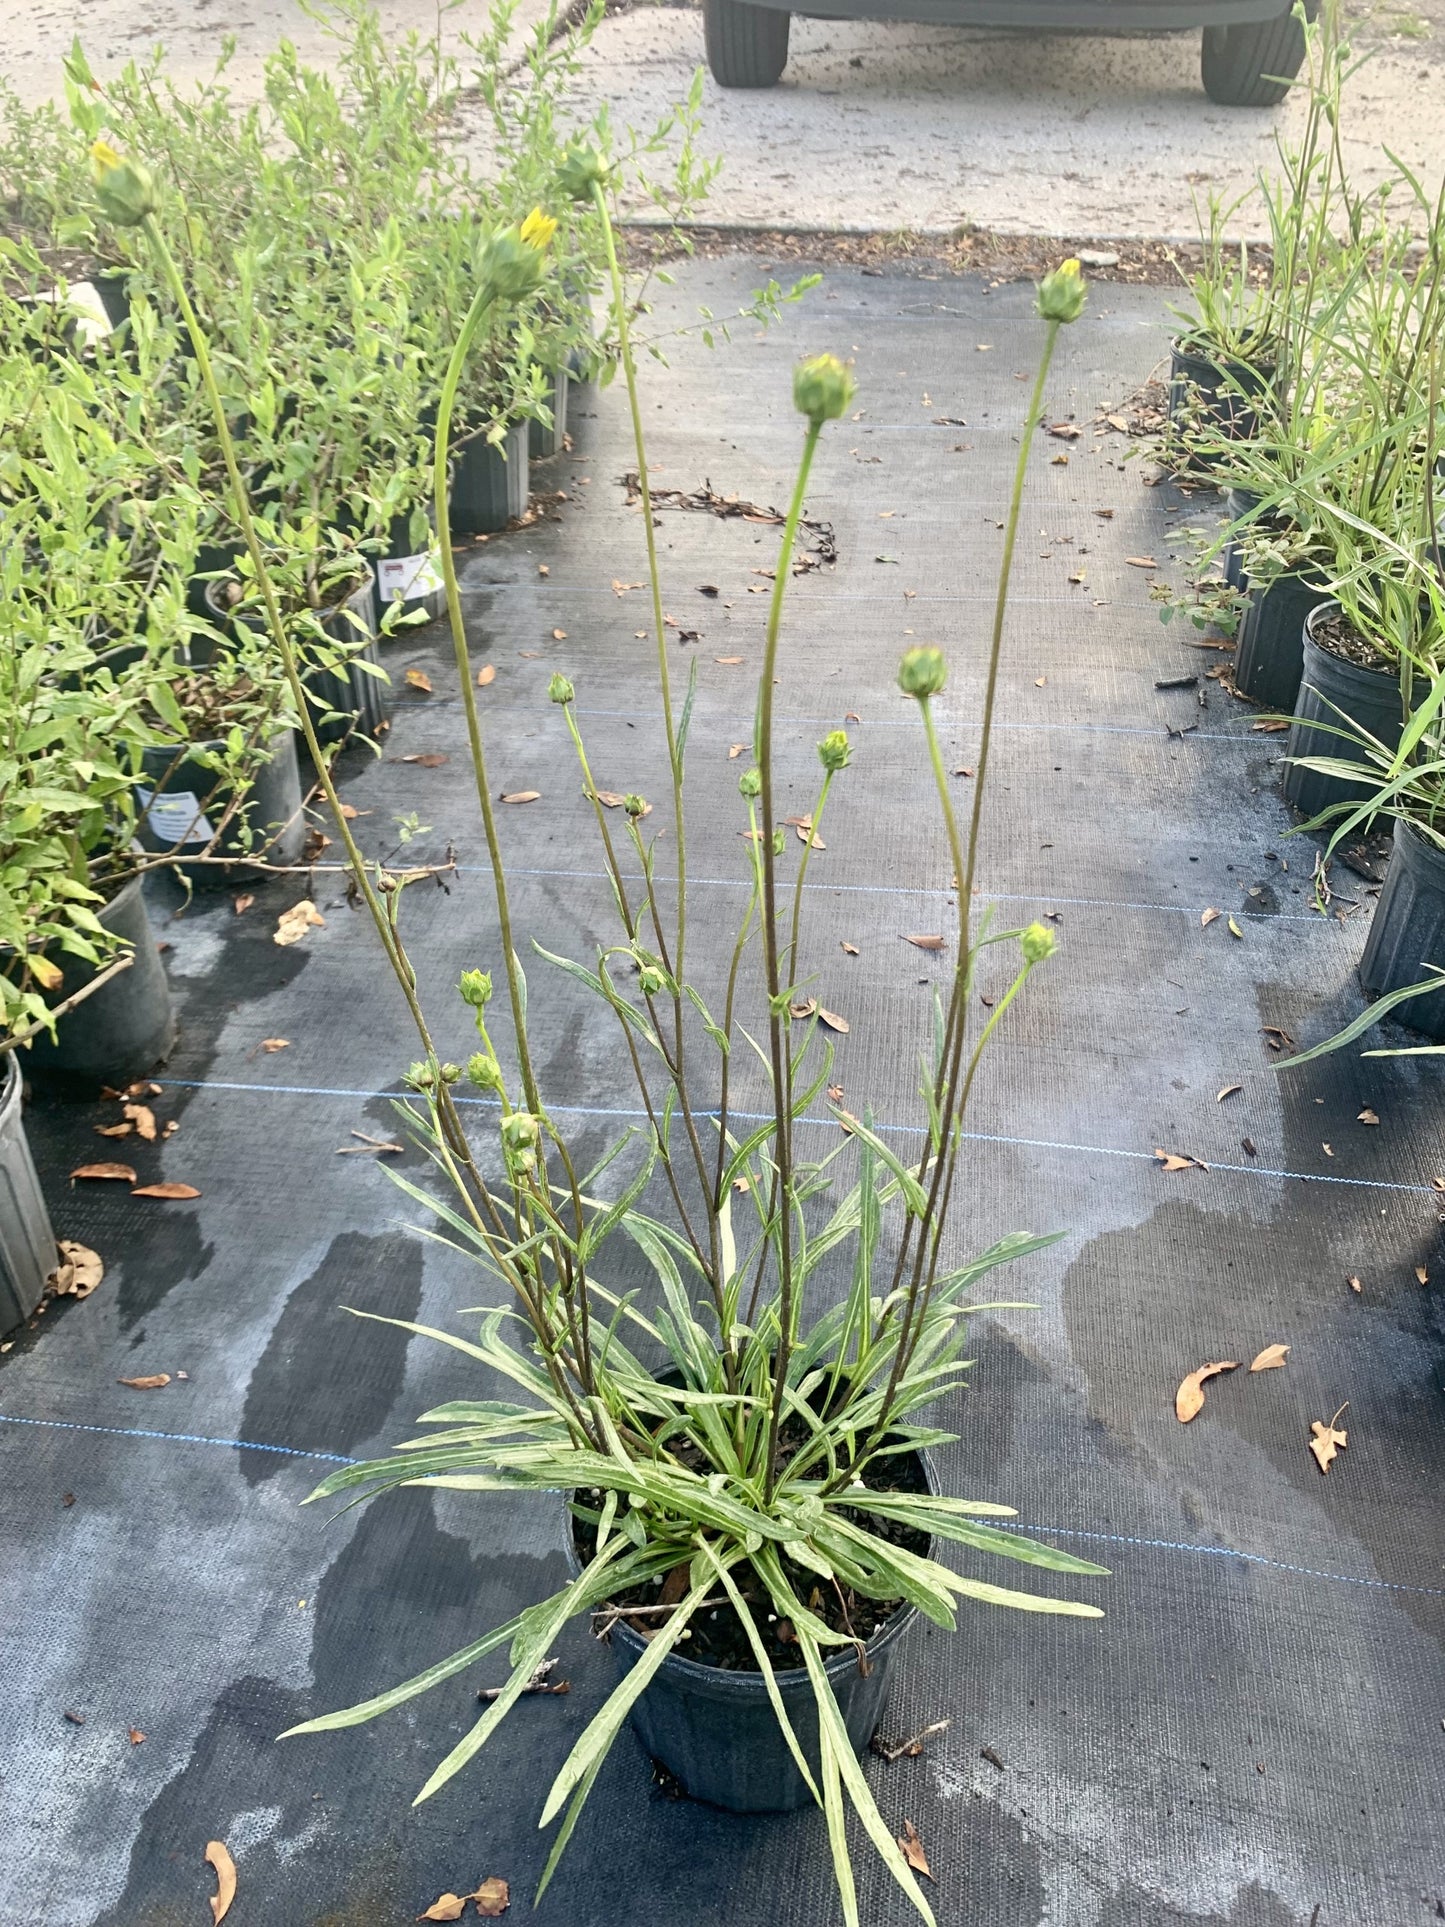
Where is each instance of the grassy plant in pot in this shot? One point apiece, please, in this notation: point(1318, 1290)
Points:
point(723, 1450)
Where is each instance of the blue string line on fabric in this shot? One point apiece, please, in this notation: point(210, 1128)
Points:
point(1054, 1532)
point(899, 1130)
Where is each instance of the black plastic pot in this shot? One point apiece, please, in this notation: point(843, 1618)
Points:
point(1333, 694)
point(346, 700)
point(489, 485)
point(27, 1243)
point(1408, 929)
point(581, 399)
point(128, 1025)
point(1206, 393)
point(543, 443)
point(190, 799)
point(717, 1734)
point(1269, 646)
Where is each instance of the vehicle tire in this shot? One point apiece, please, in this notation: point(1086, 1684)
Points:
point(1251, 65)
point(747, 46)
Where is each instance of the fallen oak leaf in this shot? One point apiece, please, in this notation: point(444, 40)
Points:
point(114, 1130)
point(1326, 1442)
point(431, 759)
point(486, 675)
point(135, 1736)
point(804, 1007)
point(913, 1850)
point(1367, 1116)
point(448, 1907)
point(79, 1272)
point(925, 942)
point(121, 1173)
point(218, 1855)
point(1422, 1276)
point(493, 1898)
point(1271, 726)
point(1141, 562)
point(849, 949)
point(1228, 1091)
point(1189, 1399)
point(154, 1383)
point(144, 1120)
point(272, 1044)
point(167, 1190)
point(521, 796)
point(735, 750)
point(833, 1020)
point(242, 904)
point(728, 662)
point(1211, 915)
point(1354, 1283)
point(559, 635)
point(418, 679)
point(1271, 1359)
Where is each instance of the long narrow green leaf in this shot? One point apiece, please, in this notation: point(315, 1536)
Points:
point(420, 1683)
point(1367, 1019)
point(765, 1667)
point(837, 1826)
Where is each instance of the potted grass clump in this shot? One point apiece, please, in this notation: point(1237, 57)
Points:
point(720, 1445)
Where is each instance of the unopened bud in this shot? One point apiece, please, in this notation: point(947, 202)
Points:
point(476, 988)
point(124, 188)
point(484, 1071)
point(750, 783)
point(1062, 294)
point(822, 388)
point(1037, 943)
point(560, 690)
point(834, 751)
point(922, 673)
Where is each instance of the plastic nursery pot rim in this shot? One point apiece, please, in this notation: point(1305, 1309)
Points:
point(1320, 612)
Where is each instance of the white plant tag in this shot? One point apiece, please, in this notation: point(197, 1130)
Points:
point(407, 578)
point(175, 817)
point(82, 300)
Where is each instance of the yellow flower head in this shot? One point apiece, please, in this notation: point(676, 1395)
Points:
point(103, 157)
point(538, 229)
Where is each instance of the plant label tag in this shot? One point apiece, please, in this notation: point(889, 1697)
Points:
point(82, 302)
point(176, 817)
point(408, 578)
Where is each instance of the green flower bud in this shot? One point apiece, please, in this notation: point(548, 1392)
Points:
point(651, 980)
point(822, 388)
point(418, 1077)
point(1037, 943)
point(635, 806)
point(582, 168)
point(835, 751)
point(560, 690)
point(1062, 294)
point(922, 673)
point(780, 840)
point(451, 1073)
point(476, 988)
point(124, 188)
point(511, 264)
point(750, 783)
point(484, 1071)
point(521, 1134)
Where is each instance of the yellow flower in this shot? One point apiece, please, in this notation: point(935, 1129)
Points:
point(103, 156)
point(538, 229)
point(1062, 294)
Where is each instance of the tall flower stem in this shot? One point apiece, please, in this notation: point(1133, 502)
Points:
point(446, 406)
point(777, 1014)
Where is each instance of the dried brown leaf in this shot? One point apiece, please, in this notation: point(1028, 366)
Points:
point(1228, 1091)
point(1189, 1399)
point(833, 1020)
point(144, 1120)
point(1270, 1359)
point(1326, 1441)
point(272, 1044)
point(849, 949)
point(804, 1007)
point(1177, 1161)
point(1211, 915)
point(913, 1850)
point(805, 833)
point(521, 796)
point(925, 943)
point(292, 924)
point(155, 1382)
point(735, 750)
point(218, 1855)
point(486, 675)
point(559, 635)
point(1422, 1276)
point(418, 679)
point(1270, 726)
point(121, 1173)
point(1141, 562)
point(1367, 1116)
point(432, 759)
point(79, 1272)
point(493, 1898)
point(168, 1190)
point(1354, 1283)
point(728, 662)
point(135, 1736)
point(114, 1130)
point(449, 1907)
point(242, 903)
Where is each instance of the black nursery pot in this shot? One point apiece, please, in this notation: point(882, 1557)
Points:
point(1269, 647)
point(189, 801)
point(1332, 694)
point(1206, 391)
point(128, 1025)
point(1408, 929)
point(27, 1243)
point(717, 1734)
point(489, 485)
point(1239, 502)
point(543, 443)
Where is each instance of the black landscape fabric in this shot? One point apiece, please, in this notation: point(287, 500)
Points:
point(1253, 1735)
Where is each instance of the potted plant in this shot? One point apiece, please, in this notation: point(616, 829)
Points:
point(769, 1459)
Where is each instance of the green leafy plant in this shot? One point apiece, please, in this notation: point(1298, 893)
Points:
point(755, 1450)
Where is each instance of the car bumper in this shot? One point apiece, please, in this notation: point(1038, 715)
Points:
point(1072, 16)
